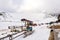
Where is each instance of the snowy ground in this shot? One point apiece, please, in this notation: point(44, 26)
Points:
point(40, 33)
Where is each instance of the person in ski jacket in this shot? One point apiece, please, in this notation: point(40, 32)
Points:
point(29, 28)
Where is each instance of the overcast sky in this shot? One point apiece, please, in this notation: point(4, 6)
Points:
point(30, 6)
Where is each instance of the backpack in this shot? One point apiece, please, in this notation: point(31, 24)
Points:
point(29, 28)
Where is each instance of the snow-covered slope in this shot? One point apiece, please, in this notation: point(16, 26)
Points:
point(41, 33)
point(14, 19)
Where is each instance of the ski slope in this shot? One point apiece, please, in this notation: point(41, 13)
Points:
point(41, 33)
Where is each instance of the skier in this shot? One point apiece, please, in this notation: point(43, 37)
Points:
point(28, 31)
point(29, 28)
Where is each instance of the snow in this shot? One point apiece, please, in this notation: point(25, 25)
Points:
point(40, 33)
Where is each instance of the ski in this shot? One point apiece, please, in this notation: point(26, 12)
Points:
point(28, 33)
